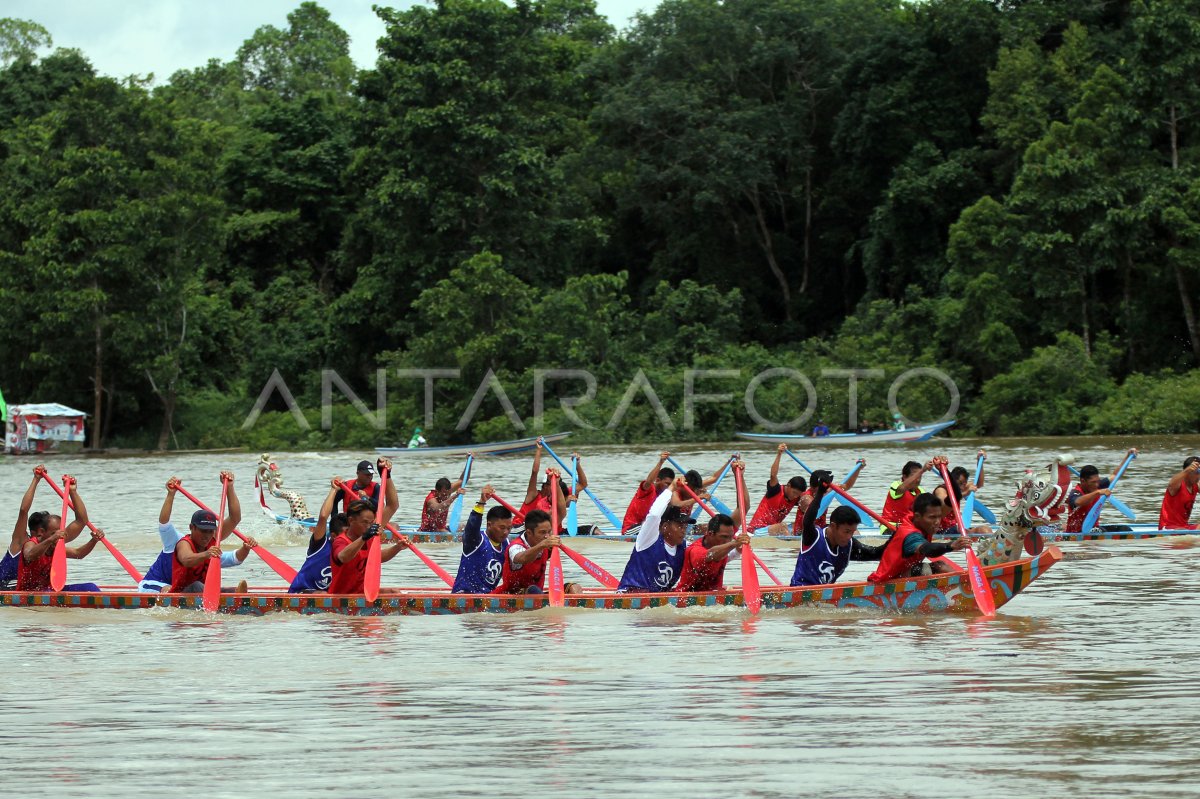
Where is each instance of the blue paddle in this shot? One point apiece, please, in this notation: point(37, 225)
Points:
point(803, 465)
point(1089, 521)
point(573, 507)
point(866, 519)
point(721, 506)
point(603, 508)
point(1121, 507)
point(456, 508)
point(968, 505)
point(829, 495)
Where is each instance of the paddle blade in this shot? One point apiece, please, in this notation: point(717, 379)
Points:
point(1093, 516)
point(984, 512)
point(557, 590)
point(979, 585)
point(1123, 509)
point(58, 566)
point(212, 585)
point(751, 590)
point(594, 569)
point(374, 572)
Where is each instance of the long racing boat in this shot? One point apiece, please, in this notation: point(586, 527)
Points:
point(929, 594)
point(909, 436)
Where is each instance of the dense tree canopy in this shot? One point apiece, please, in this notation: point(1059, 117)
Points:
point(1007, 192)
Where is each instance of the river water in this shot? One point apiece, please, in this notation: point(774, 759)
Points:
point(1085, 685)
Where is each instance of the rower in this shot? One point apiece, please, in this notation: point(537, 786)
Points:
point(1085, 494)
point(20, 534)
point(960, 481)
point(189, 561)
point(482, 562)
point(1180, 497)
point(437, 505)
point(524, 570)
point(349, 549)
point(705, 559)
point(315, 574)
point(826, 550)
point(538, 496)
point(913, 542)
point(779, 500)
point(897, 506)
point(45, 531)
point(364, 483)
point(657, 558)
point(659, 480)
point(161, 573)
point(808, 499)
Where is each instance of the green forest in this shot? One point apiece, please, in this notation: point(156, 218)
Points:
point(1007, 191)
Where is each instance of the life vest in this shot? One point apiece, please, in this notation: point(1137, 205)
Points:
point(893, 563)
point(898, 509)
point(639, 507)
point(1177, 510)
point(348, 578)
point(371, 492)
point(34, 576)
point(433, 521)
point(1079, 512)
point(518, 581)
point(798, 524)
point(182, 576)
point(699, 573)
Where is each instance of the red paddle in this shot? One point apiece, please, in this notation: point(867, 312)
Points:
point(751, 552)
point(116, 553)
point(979, 583)
point(58, 562)
point(351, 491)
point(212, 577)
point(751, 592)
point(278, 566)
point(374, 568)
point(589, 566)
point(556, 573)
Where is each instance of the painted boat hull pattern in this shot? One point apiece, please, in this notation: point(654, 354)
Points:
point(933, 594)
point(909, 436)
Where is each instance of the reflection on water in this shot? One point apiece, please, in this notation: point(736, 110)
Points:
point(1084, 686)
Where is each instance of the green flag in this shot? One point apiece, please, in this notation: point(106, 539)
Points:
point(3, 408)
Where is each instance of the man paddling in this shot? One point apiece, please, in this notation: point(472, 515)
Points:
point(913, 542)
point(316, 573)
point(364, 483)
point(161, 573)
point(657, 558)
point(537, 495)
point(20, 534)
point(348, 550)
point(524, 569)
point(897, 506)
point(809, 498)
point(826, 550)
point(37, 551)
point(659, 480)
point(189, 564)
point(1180, 497)
point(705, 559)
point(1086, 493)
point(436, 509)
point(483, 549)
point(779, 500)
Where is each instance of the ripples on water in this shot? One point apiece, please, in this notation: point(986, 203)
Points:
point(1084, 686)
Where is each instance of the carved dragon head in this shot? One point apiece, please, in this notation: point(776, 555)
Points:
point(268, 472)
point(1040, 495)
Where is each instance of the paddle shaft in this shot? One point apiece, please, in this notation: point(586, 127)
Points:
point(58, 561)
point(1093, 515)
point(278, 566)
point(212, 576)
point(111, 547)
point(587, 565)
point(456, 508)
point(751, 593)
point(557, 589)
point(979, 585)
point(351, 491)
point(968, 508)
point(603, 508)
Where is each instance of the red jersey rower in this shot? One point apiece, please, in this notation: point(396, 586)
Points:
point(437, 505)
point(705, 558)
point(364, 483)
point(524, 568)
point(779, 500)
point(1180, 497)
point(659, 480)
point(45, 531)
point(189, 566)
point(913, 542)
point(809, 497)
point(1085, 494)
point(897, 506)
point(348, 552)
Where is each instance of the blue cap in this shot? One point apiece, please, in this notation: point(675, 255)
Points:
point(204, 520)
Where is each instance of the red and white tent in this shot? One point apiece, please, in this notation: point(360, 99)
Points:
point(40, 427)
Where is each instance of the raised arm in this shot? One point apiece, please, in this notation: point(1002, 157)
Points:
point(913, 480)
point(84, 550)
point(820, 484)
point(21, 528)
point(648, 483)
point(854, 477)
point(1173, 486)
point(81, 514)
point(774, 479)
point(326, 510)
point(532, 491)
point(580, 478)
point(391, 499)
point(982, 469)
point(233, 510)
point(164, 514)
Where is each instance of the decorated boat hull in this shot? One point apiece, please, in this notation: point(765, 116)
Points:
point(490, 448)
point(932, 594)
point(909, 436)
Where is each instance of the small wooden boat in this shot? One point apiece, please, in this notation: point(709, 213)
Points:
point(492, 448)
point(931, 594)
point(909, 436)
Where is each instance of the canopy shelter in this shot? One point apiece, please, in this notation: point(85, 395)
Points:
point(42, 427)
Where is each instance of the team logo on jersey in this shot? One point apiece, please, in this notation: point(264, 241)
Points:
point(666, 575)
point(826, 569)
point(494, 569)
point(326, 578)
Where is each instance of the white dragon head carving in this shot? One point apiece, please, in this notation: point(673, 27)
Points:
point(1039, 501)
